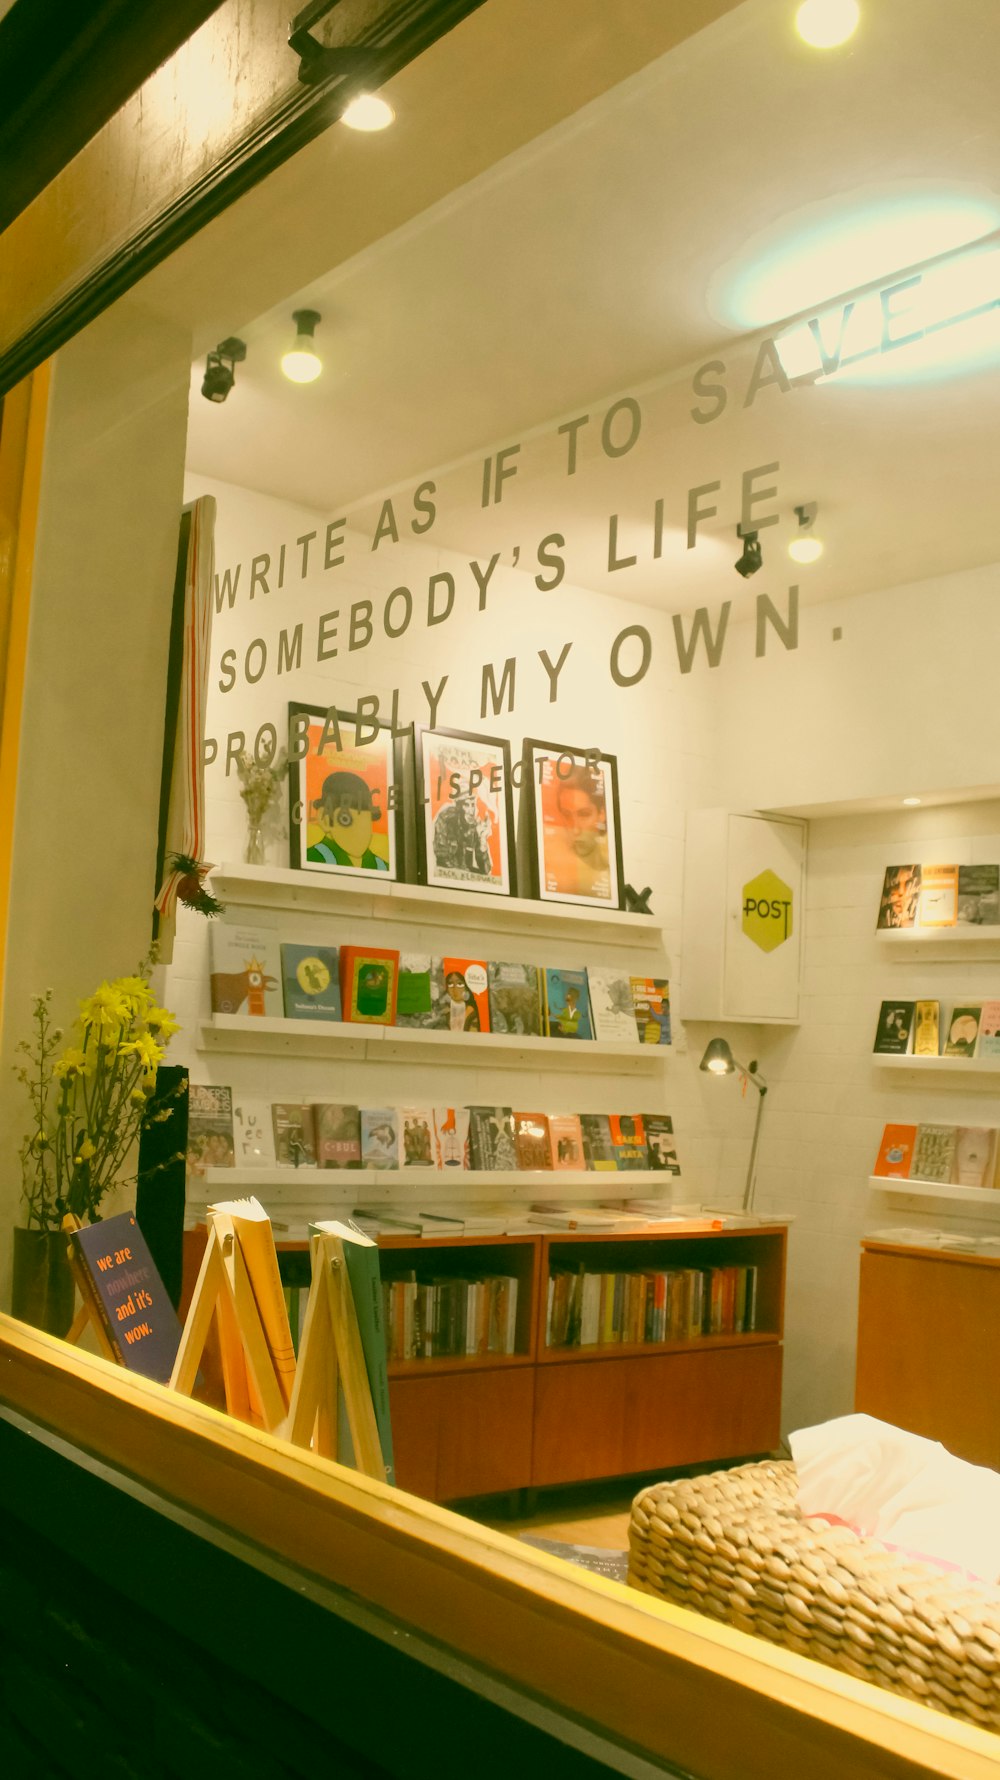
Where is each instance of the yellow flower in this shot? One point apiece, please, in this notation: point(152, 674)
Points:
point(162, 1022)
point(149, 1053)
point(136, 992)
point(105, 1013)
point(86, 1150)
point(138, 1097)
point(72, 1062)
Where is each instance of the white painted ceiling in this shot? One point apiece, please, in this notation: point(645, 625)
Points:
point(603, 259)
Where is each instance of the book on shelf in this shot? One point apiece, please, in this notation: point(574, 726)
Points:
point(245, 976)
point(121, 1286)
point(379, 1137)
point(532, 1144)
point(933, 1153)
point(598, 1148)
point(566, 1140)
point(210, 1128)
point(515, 998)
point(551, 1214)
point(362, 1263)
point(975, 1155)
point(466, 995)
point(989, 1029)
point(611, 1006)
point(294, 1134)
point(451, 1136)
point(927, 1029)
point(418, 1144)
point(420, 999)
point(253, 1133)
point(900, 896)
point(979, 895)
point(387, 1220)
point(337, 1135)
point(450, 1315)
point(310, 978)
point(467, 1222)
point(651, 1001)
point(567, 1004)
point(895, 1154)
point(491, 1137)
point(661, 1150)
point(368, 984)
point(962, 1033)
point(649, 1306)
point(894, 1032)
point(938, 903)
point(252, 1229)
point(628, 1139)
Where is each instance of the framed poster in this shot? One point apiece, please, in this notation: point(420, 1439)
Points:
point(465, 811)
point(572, 828)
point(344, 797)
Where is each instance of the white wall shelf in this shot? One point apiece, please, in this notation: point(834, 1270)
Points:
point(371, 898)
point(962, 1066)
point(298, 1194)
point(413, 1044)
point(987, 1197)
point(962, 934)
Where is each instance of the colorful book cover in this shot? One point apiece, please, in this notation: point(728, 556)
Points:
point(975, 1147)
point(567, 1004)
point(933, 1153)
point(246, 970)
point(566, 1140)
point(253, 1133)
point(598, 1148)
point(900, 896)
point(420, 992)
point(611, 1006)
point(651, 1001)
point(466, 995)
point(118, 1278)
point(979, 895)
point(989, 1029)
point(515, 998)
point(491, 1137)
point(451, 1135)
point(963, 1030)
point(311, 980)
point(419, 1147)
point(294, 1135)
point(927, 1029)
point(531, 1140)
point(628, 1138)
point(938, 904)
point(379, 1137)
point(895, 1028)
point(368, 983)
point(661, 1150)
point(210, 1128)
point(895, 1153)
point(338, 1135)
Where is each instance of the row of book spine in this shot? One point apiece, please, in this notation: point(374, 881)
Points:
point(431, 1319)
point(589, 1309)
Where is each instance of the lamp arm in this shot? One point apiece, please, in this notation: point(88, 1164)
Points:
point(751, 1181)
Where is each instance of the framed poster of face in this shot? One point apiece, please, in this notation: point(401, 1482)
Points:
point(465, 811)
point(344, 796)
point(573, 827)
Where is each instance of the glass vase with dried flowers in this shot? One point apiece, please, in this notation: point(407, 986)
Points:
point(260, 786)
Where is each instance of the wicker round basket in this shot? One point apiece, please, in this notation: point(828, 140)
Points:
point(734, 1545)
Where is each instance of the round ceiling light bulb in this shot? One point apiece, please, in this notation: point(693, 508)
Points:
point(805, 549)
point(368, 112)
point(825, 24)
point(302, 363)
point(910, 802)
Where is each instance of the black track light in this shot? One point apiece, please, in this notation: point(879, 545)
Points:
point(750, 561)
point(219, 369)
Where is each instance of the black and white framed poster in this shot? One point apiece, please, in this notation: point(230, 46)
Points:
point(571, 824)
point(465, 811)
point(344, 794)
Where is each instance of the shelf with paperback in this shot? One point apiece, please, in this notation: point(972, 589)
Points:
point(298, 1194)
point(415, 1044)
point(962, 1066)
point(925, 939)
point(987, 1198)
point(275, 887)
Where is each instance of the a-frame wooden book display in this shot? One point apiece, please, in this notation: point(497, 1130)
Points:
point(223, 1288)
point(331, 1347)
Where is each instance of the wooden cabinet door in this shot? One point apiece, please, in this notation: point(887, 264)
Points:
point(681, 1409)
point(463, 1435)
point(579, 1421)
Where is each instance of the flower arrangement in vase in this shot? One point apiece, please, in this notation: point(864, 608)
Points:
point(260, 783)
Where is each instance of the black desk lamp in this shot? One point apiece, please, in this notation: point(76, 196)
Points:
point(719, 1060)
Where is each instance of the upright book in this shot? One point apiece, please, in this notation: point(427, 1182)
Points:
point(651, 1001)
point(975, 1150)
point(567, 1004)
point(938, 904)
point(210, 1128)
point(515, 998)
point(379, 1137)
point(611, 1006)
point(311, 982)
point(294, 1134)
point(246, 970)
point(361, 1261)
point(895, 1028)
point(531, 1140)
point(598, 1145)
point(466, 995)
point(491, 1137)
point(989, 1029)
point(895, 1154)
point(419, 1149)
point(628, 1138)
point(451, 1136)
point(963, 1030)
point(661, 1150)
point(420, 997)
point(978, 895)
point(933, 1153)
point(253, 1131)
point(900, 896)
point(119, 1282)
point(566, 1140)
point(368, 984)
point(927, 1029)
point(338, 1135)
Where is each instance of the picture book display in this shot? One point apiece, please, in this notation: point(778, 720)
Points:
point(451, 1136)
point(338, 1135)
point(611, 1006)
point(927, 1029)
point(311, 982)
point(119, 1282)
point(979, 895)
point(515, 998)
point(962, 1030)
point(651, 1002)
point(900, 895)
point(895, 1028)
point(465, 820)
point(245, 973)
point(935, 1154)
point(567, 1004)
point(491, 1137)
point(419, 1144)
point(210, 1128)
point(925, 897)
point(466, 995)
point(566, 1141)
point(294, 1135)
point(368, 983)
point(895, 1155)
point(380, 1147)
point(661, 1150)
point(532, 1142)
point(253, 1132)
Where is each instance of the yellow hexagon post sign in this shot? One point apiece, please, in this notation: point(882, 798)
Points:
point(767, 911)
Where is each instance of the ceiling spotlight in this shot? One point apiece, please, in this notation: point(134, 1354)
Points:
point(368, 112)
point(825, 24)
point(302, 363)
point(219, 373)
point(804, 547)
point(751, 560)
point(911, 802)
